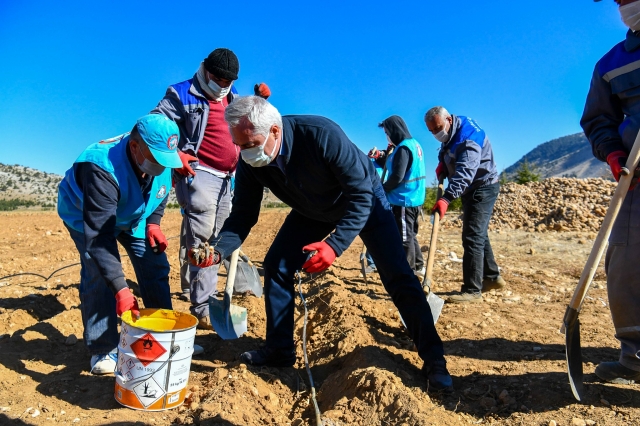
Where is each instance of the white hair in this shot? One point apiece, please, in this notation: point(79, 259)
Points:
point(259, 113)
point(436, 110)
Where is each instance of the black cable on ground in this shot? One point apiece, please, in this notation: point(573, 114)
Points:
point(59, 269)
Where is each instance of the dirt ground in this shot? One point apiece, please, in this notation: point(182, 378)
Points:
point(505, 354)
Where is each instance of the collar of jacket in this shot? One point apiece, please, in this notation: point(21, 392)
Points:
point(633, 41)
point(454, 129)
point(287, 139)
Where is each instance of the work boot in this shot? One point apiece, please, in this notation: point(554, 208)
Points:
point(438, 376)
point(197, 350)
point(185, 295)
point(204, 323)
point(104, 363)
point(465, 298)
point(270, 357)
point(489, 284)
point(614, 372)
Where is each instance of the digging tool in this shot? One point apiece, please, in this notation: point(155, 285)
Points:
point(229, 321)
point(571, 323)
point(363, 264)
point(435, 302)
point(247, 277)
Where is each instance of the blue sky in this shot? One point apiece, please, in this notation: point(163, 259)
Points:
point(75, 72)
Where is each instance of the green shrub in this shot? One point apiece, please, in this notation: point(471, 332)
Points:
point(7, 205)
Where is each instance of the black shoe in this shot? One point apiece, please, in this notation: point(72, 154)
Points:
point(438, 376)
point(614, 372)
point(270, 357)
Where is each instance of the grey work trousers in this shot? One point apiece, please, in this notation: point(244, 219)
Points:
point(206, 202)
point(622, 265)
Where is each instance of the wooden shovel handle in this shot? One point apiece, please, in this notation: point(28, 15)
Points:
point(434, 234)
point(231, 276)
point(605, 230)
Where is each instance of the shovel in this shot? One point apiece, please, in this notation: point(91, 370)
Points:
point(247, 278)
point(363, 264)
point(571, 324)
point(229, 321)
point(435, 302)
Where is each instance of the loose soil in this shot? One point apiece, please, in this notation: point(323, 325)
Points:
point(505, 354)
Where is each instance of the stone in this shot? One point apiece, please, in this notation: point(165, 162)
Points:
point(71, 340)
point(552, 423)
point(576, 421)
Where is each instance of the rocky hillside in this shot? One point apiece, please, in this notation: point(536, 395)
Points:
point(568, 156)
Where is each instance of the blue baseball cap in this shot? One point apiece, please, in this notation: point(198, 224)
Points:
point(161, 136)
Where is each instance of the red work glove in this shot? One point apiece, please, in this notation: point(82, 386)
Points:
point(262, 90)
point(320, 261)
point(126, 301)
point(617, 161)
point(441, 170)
point(156, 238)
point(375, 153)
point(208, 257)
point(186, 169)
point(440, 207)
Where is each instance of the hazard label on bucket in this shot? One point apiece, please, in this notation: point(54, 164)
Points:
point(147, 349)
point(148, 392)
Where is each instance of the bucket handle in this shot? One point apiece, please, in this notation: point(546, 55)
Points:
point(174, 350)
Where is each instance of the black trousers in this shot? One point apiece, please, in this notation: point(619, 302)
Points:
point(407, 222)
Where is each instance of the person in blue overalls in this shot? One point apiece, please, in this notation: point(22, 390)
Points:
point(611, 121)
point(116, 191)
point(335, 195)
point(466, 160)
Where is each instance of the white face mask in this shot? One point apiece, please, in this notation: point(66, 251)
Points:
point(443, 135)
point(256, 157)
point(630, 14)
point(216, 91)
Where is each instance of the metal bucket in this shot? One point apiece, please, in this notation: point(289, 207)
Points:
point(154, 359)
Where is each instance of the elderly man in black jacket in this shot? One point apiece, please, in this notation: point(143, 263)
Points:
point(310, 164)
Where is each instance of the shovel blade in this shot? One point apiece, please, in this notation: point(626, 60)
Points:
point(229, 321)
point(435, 304)
point(573, 352)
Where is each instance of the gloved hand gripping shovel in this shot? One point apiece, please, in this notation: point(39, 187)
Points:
point(571, 324)
point(435, 302)
point(229, 321)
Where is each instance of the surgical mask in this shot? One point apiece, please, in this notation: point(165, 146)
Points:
point(630, 14)
point(216, 91)
point(149, 167)
point(256, 157)
point(442, 136)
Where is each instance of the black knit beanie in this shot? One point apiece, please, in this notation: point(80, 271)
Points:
point(222, 63)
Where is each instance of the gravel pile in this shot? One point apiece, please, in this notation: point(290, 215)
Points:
point(555, 204)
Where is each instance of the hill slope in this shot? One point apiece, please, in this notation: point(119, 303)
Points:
point(568, 156)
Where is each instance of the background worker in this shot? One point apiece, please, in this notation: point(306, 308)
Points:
point(116, 191)
point(197, 105)
point(611, 121)
point(466, 160)
point(310, 164)
point(404, 184)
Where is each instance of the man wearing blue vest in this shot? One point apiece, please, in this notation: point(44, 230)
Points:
point(611, 121)
point(466, 160)
point(404, 184)
point(116, 191)
point(335, 195)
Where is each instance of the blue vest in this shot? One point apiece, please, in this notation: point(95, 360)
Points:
point(134, 207)
point(411, 191)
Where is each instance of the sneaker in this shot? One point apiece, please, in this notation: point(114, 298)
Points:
point(104, 363)
point(420, 273)
point(197, 350)
point(465, 298)
point(204, 323)
point(614, 372)
point(438, 376)
point(270, 357)
point(489, 284)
